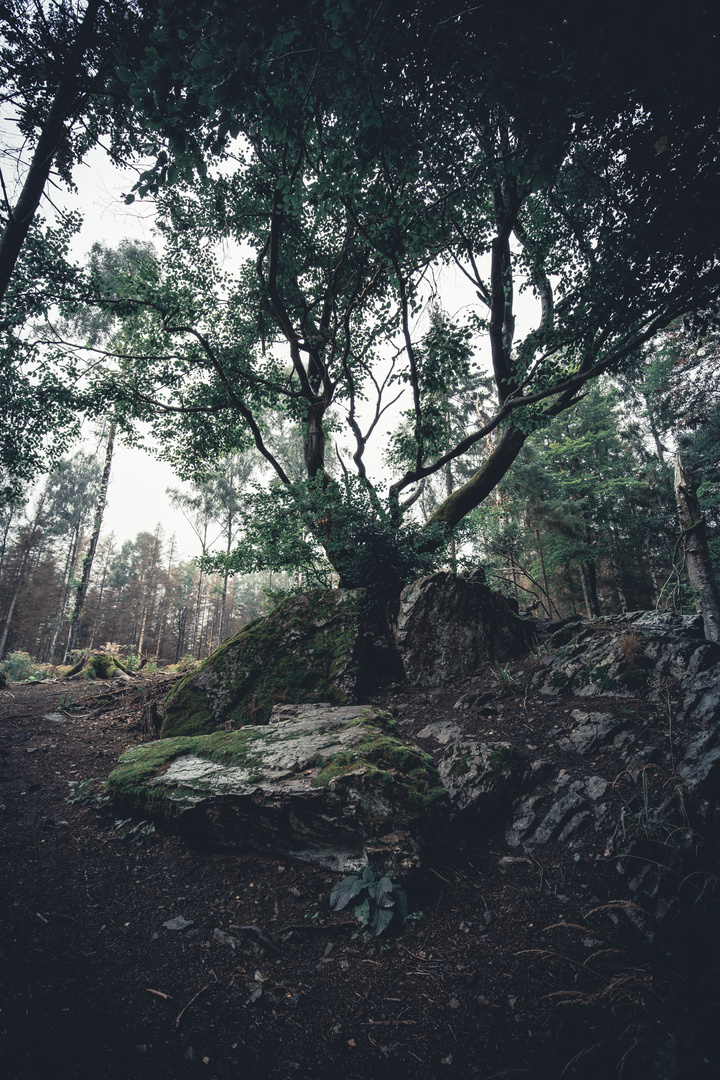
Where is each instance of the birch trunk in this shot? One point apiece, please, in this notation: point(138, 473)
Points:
point(90, 554)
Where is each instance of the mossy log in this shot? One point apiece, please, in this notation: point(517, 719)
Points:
point(97, 666)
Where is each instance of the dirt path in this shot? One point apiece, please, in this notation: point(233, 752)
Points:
point(495, 975)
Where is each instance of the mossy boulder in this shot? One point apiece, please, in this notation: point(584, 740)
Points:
point(311, 648)
point(331, 785)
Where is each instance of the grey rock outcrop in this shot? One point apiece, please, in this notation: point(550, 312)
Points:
point(482, 777)
point(329, 785)
point(639, 654)
point(448, 625)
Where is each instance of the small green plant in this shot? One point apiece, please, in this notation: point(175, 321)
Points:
point(87, 792)
point(502, 675)
point(643, 819)
point(540, 652)
point(140, 834)
point(67, 703)
point(378, 901)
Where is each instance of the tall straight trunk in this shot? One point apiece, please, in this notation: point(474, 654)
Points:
point(20, 579)
point(6, 533)
point(90, 554)
point(617, 574)
point(589, 588)
point(98, 610)
point(697, 554)
point(449, 488)
point(226, 575)
point(198, 614)
point(143, 624)
point(652, 571)
point(69, 567)
point(182, 624)
point(550, 602)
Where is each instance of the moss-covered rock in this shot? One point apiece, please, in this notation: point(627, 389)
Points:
point(311, 648)
point(322, 784)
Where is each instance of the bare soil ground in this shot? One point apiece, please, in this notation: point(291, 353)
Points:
point(543, 973)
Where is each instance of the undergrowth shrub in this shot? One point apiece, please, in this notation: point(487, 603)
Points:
point(20, 667)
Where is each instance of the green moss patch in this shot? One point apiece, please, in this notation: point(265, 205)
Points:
point(97, 666)
point(128, 786)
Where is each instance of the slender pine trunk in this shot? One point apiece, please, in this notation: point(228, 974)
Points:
point(90, 553)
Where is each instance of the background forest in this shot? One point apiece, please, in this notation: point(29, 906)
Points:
point(585, 522)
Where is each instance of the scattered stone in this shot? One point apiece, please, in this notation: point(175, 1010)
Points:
point(444, 731)
point(523, 820)
point(595, 786)
point(514, 863)
point(224, 939)
point(178, 923)
point(591, 731)
point(559, 814)
point(474, 700)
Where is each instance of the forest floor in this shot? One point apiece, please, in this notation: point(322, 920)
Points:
point(539, 973)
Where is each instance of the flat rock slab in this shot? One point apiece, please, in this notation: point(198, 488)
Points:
point(329, 785)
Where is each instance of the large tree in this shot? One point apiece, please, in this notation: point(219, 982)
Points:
point(61, 95)
point(348, 153)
